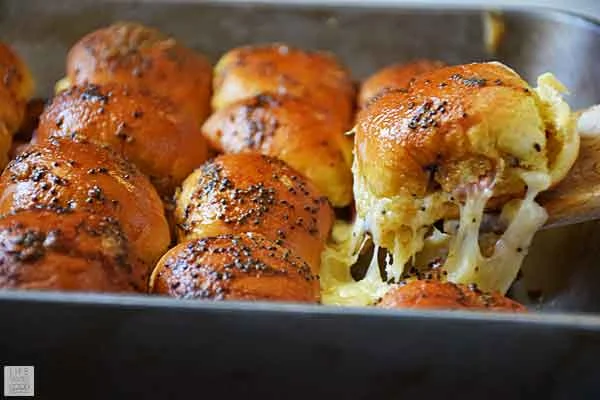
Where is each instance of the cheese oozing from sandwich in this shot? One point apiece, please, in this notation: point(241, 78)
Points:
point(402, 222)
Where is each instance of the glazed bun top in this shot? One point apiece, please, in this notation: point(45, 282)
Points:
point(142, 57)
point(16, 87)
point(394, 77)
point(43, 250)
point(67, 175)
point(431, 294)
point(248, 192)
point(293, 130)
point(316, 77)
point(146, 129)
point(234, 267)
point(458, 126)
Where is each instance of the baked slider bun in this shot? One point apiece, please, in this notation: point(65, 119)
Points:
point(6, 145)
point(237, 193)
point(316, 77)
point(16, 87)
point(234, 267)
point(461, 140)
point(78, 251)
point(394, 77)
point(293, 130)
point(432, 294)
point(141, 57)
point(148, 130)
point(67, 175)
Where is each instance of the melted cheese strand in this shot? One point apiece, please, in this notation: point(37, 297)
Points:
point(337, 285)
point(498, 272)
point(466, 265)
point(398, 223)
point(464, 254)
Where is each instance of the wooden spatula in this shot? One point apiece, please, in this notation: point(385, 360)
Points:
point(577, 198)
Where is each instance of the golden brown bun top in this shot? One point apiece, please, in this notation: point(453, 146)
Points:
point(16, 87)
point(74, 251)
point(316, 77)
point(247, 192)
point(142, 57)
point(454, 127)
point(234, 267)
point(292, 130)
point(148, 130)
point(75, 175)
point(393, 77)
point(430, 294)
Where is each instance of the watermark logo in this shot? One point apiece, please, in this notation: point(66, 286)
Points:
point(18, 381)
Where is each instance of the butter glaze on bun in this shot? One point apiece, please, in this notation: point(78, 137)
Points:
point(430, 294)
point(394, 77)
point(234, 267)
point(142, 57)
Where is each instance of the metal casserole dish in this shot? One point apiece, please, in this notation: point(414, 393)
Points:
point(95, 346)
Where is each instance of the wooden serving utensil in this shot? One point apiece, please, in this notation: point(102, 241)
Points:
point(577, 197)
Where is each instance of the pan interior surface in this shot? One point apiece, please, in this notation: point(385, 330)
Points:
point(560, 272)
point(108, 346)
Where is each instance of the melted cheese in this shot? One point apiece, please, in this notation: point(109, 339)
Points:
point(466, 265)
point(337, 285)
point(62, 85)
point(399, 223)
point(383, 219)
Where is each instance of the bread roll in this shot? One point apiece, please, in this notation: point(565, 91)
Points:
point(316, 77)
point(66, 176)
point(148, 130)
point(141, 57)
point(6, 145)
point(234, 267)
point(292, 130)
point(237, 193)
point(74, 251)
point(394, 77)
point(459, 123)
point(16, 87)
point(430, 294)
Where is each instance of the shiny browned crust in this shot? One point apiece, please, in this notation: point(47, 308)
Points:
point(16, 87)
point(235, 267)
point(430, 294)
point(238, 193)
point(316, 77)
point(393, 77)
point(64, 176)
point(77, 251)
point(142, 57)
point(292, 130)
point(423, 140)
point(148, 130)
